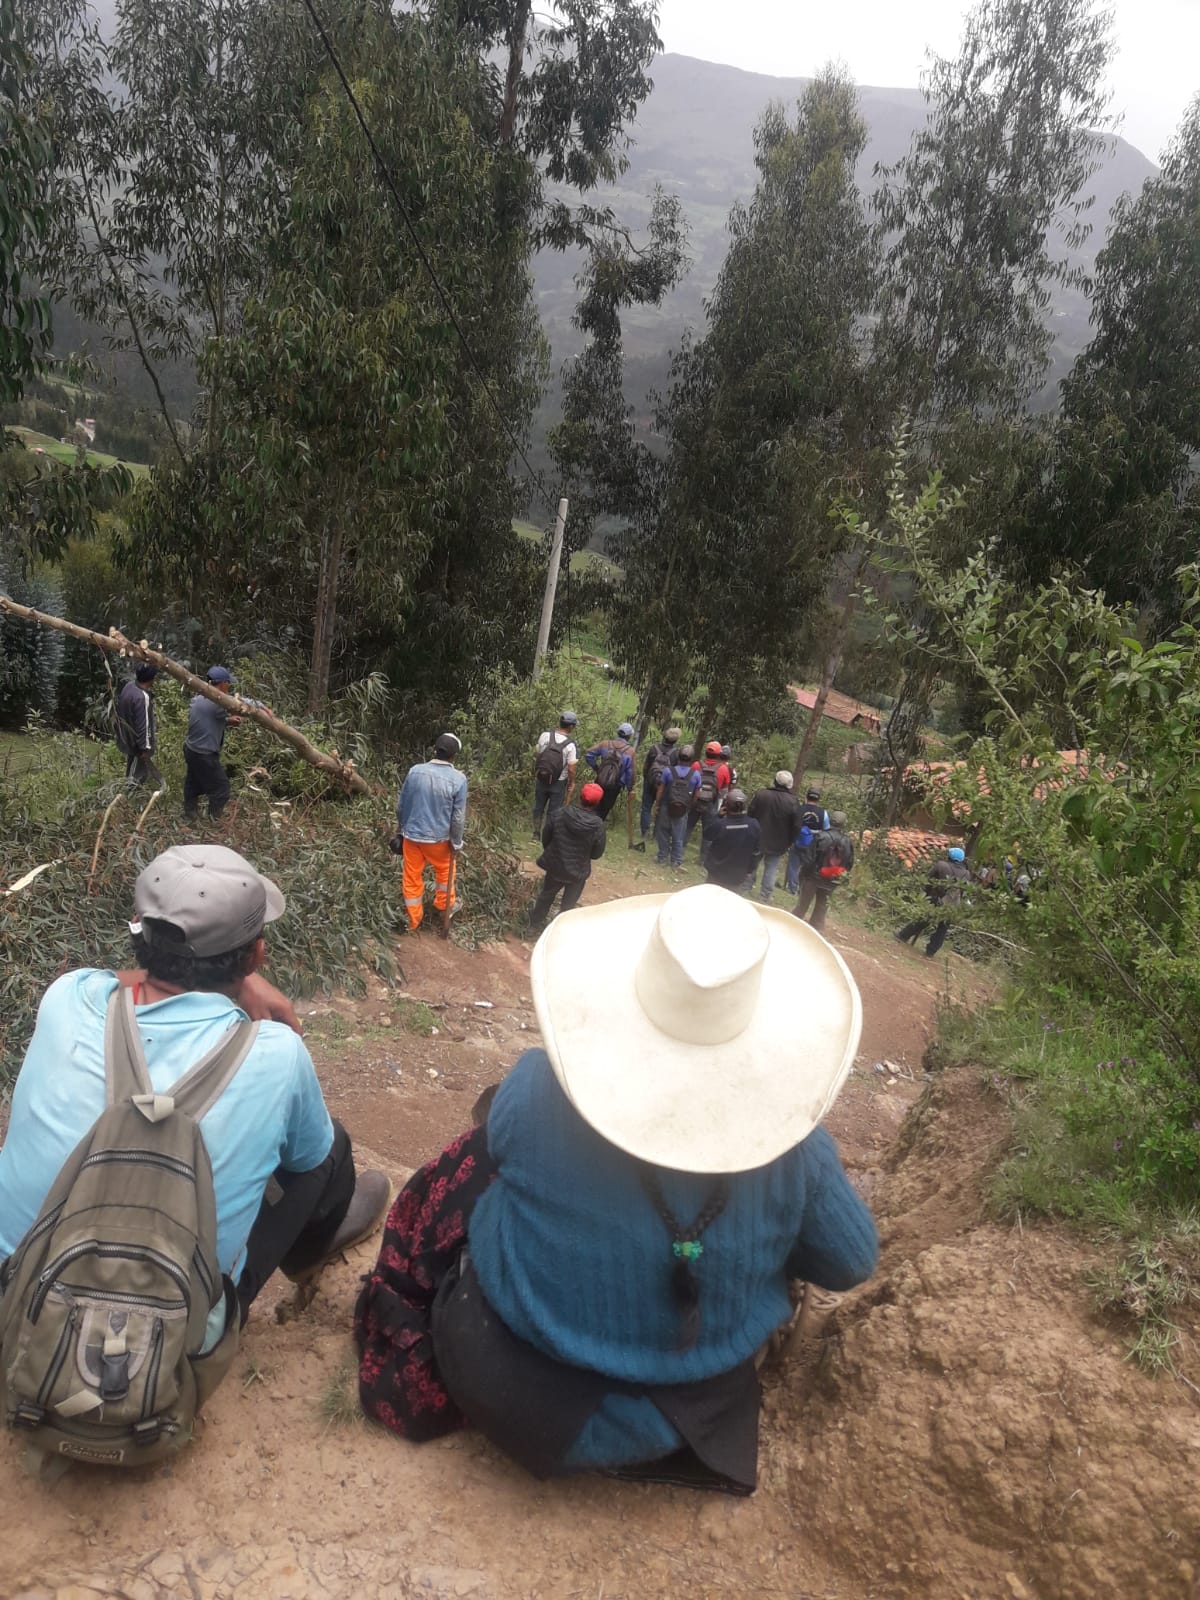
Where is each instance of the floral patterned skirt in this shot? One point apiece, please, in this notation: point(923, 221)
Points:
point(423, 1237)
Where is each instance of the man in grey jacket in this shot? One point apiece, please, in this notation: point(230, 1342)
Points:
point(202, 745)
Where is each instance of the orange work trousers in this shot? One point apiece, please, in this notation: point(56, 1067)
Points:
point(417, 857)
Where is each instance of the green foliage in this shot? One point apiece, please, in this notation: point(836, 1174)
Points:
point(966, 216)
point(30, 657)
point(1117, 491)
point(1148, 1288)
point(25, 167)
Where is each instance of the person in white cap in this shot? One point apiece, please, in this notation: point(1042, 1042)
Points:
point(432, 812)
point(283, 1174)
point(777, 813)
point(633, 1216)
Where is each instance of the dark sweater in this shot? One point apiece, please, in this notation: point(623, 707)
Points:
point(731, 849)
point(946, 879)
point(572, 838)
point(135, 720)
point(777, 812)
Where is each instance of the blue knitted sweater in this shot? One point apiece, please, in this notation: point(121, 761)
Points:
point(574, 1257)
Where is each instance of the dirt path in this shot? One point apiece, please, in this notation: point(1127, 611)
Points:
point(966, 1433)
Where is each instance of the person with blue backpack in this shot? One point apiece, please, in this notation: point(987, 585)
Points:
point(676, 788)
point(813, 819)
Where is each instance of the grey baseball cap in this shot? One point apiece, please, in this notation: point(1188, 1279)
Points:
point(212, 895)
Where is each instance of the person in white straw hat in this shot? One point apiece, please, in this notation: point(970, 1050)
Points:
point(658, 1175)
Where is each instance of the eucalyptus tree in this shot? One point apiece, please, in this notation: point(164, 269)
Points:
point(1118, 495)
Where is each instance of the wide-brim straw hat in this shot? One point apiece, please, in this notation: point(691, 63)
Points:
point(697, 1031)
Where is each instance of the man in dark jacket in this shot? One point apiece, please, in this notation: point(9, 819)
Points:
point(943, 888)
point(137, 736)
point(778, 816)
point(827, 863)
point(572, 838)
point(732, 845)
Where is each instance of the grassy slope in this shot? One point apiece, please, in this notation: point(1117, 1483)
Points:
point(67, 453)
point(581, 561)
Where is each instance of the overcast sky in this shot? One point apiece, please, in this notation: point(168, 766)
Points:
point(1155, 73)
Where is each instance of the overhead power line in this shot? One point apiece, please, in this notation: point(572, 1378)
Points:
point(389, 183)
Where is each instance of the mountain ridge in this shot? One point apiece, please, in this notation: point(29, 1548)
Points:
point(693, 136)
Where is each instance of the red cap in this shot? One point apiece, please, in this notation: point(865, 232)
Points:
point(591, 794)
point(712, 748)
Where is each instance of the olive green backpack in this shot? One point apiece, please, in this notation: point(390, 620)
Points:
point(105, 1303)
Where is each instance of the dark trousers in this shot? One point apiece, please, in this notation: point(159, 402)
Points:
point(912, 931)
point(698, 819)
point(547, 798)
point(205, 775)
point(611, 796)
point(670, 835)
point(300, 1213)
point(649, 794)
point(140, 771)
point(815, 894)
point(571, 888)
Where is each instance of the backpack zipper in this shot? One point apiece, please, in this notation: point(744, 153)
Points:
point(120, 1253)
point(150, 1392)
point(204, 1275)
point(56, 1362)
point(148, 1302)
point(145, 1158)
point(31, 1238)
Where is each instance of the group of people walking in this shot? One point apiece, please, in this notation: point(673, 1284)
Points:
point(680, 793)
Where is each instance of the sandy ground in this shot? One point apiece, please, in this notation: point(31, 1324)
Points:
point(968, 1430)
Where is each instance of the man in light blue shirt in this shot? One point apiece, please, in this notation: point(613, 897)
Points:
point(432, 812)
point(283, 1174)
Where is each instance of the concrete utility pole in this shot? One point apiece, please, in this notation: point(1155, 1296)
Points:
point(543, 639)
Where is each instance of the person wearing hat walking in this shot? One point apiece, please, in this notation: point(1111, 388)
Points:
point(732, 845)
point(828, 863)
point(715, 783)
point(778, 816)
point(572, 838)
point(676, 787)
point(136, 732)
point(287, 1195)
point(612, 762)
point(634, 1215)
point(943, 888)
point(432, 811)
point(813, 819)
point(658, 758)
point(554, 766)
point(202, 745)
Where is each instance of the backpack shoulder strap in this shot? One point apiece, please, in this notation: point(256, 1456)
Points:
point(202, 1085)
point(127, 1076)
point(125, 1070)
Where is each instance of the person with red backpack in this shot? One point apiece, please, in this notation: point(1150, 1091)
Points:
point(829, 861)
point(554, 770)
point(709, 796)
point(675, 790)
point(612, 762)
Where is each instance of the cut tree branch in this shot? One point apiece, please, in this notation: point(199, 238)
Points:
point(115, 643)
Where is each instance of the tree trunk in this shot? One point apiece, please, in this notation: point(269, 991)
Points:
point(512, 77)
point(833, 661)
point(116, 644)
point(325, 619)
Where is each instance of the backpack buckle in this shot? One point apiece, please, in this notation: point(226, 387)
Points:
point(148, 1432)
point(27, 1415)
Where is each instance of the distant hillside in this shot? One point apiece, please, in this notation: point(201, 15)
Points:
point(693, 136)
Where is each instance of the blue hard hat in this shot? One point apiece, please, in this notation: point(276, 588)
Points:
point(956, 853)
